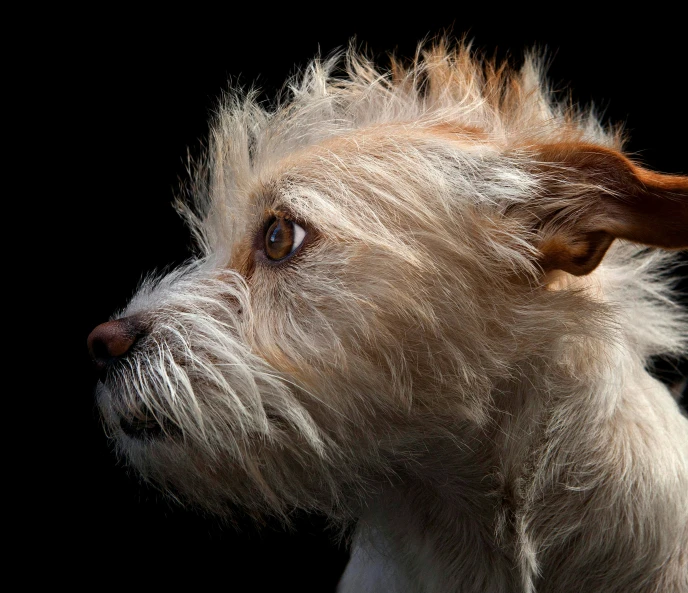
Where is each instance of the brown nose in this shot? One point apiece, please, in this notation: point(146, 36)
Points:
point(112, 340)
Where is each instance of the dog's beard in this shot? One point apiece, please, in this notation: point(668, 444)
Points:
point(195, 411)
point(272, 406)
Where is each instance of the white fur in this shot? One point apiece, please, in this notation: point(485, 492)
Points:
point(412, 370)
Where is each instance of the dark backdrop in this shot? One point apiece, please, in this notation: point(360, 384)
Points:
point(135, 97)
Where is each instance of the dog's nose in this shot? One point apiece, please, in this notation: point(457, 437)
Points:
point(112, 340)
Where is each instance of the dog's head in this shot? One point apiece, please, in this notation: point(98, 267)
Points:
point(377, 255)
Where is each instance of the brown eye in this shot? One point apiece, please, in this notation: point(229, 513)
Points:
point(282, 238)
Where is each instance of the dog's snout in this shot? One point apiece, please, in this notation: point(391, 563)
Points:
point(112, 340)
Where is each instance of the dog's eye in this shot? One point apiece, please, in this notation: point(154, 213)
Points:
point(283, 238)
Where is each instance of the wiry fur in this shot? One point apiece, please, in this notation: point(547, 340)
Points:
point(491, 427)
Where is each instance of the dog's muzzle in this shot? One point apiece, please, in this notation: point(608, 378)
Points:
point(108, 345)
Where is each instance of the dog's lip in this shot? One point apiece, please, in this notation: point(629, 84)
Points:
point(138, 428)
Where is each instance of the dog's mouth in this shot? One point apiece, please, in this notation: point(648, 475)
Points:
point(146, 427)
point(137, 428)
point(136, 421)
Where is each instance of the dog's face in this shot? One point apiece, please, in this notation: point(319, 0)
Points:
point(337, 301)
point(364, 286)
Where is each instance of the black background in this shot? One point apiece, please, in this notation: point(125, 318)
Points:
point(132, 96)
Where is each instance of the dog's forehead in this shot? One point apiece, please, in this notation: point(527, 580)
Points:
point(384, 142)
point(357, 158)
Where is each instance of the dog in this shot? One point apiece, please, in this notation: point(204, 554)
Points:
point(423, 305)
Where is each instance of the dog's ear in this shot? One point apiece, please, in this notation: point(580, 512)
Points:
point(596, 195)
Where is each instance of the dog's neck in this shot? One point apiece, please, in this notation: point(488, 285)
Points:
point(572, 468)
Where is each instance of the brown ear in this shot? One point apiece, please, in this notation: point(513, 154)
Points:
point(596, 195)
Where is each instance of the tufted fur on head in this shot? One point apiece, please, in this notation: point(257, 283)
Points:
point(455, 354)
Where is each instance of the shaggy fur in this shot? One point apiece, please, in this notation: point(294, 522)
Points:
point(454, 358)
